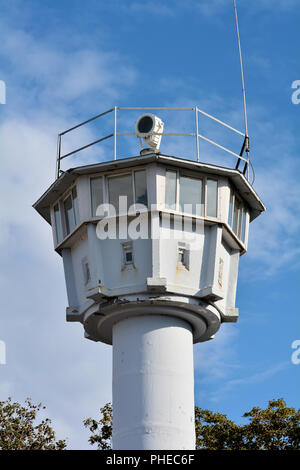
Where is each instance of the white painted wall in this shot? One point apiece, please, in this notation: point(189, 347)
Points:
point(153, 384)
point(79, 252)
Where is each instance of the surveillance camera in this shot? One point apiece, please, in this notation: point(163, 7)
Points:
point(149, 127)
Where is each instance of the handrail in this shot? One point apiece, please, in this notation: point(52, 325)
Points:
point(115, 133)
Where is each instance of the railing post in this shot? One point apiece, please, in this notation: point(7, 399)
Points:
point(197, 132)
point(58, 156)
point(115, 134)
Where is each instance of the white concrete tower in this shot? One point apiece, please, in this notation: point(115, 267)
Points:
point(154, 280)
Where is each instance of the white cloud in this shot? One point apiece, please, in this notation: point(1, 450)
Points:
point(47, 358)
point(274, 236)
point(57, 77)
point(148, 8)
point(277, 4)
point(213, 7)
point(256, 378)
point(207, 8)
point(216, 359)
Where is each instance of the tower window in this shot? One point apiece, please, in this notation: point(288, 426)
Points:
point(71, 211)
point(140, 187)
point(127, 254)
point(237, 216)
point(171, 184)
point(183, 256)
point(58, 225)
point(120, 186)
point(230, 212)
point(243, 229)
point(191, 195)
point(132, 187)
point(190, 199)
point(96, 194)
point(211, 197)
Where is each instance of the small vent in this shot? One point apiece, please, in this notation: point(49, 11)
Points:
point(183, 255)
point(127, 254)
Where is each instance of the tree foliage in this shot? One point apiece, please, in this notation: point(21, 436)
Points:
point(214, 431)
point(101, 430)
point(275, 428)
point(20, 431)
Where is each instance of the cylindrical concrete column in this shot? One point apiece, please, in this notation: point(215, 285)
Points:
point(153, 384)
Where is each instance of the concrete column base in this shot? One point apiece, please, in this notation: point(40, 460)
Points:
point(153, 384)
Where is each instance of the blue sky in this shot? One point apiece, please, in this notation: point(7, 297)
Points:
point(64, 61)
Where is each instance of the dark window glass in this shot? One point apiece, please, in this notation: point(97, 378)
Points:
point(181, 255)
point(170, 197)
point(140, 182)
point(190, 199)
point(75, 205)
point(69, 214)
point(127, 248)
point(120, 186)
point(243, 229)
point(58, 226)
point(96, 194)
point(212, 198)
point(236, 217)
point(230, 213)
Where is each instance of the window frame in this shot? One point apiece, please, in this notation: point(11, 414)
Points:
point(57, 239)
point(183, 175)
point(103, 191)
point(76, 222)
point(105, 186)
point(112, 176)
point(203, 178)
point(126, 248)
point(183, 256)
point(176, 189)
point(134, 185)
point(243, 211)
point(206, 198)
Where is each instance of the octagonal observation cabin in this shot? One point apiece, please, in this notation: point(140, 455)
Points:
point(193, 278)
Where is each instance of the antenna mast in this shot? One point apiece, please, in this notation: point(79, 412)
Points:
point(246, 141)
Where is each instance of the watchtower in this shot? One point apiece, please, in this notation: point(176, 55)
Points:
point(151, 247)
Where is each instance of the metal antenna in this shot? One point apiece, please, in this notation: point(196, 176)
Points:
point(246, 141)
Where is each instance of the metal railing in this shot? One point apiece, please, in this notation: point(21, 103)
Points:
point(195, 134)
